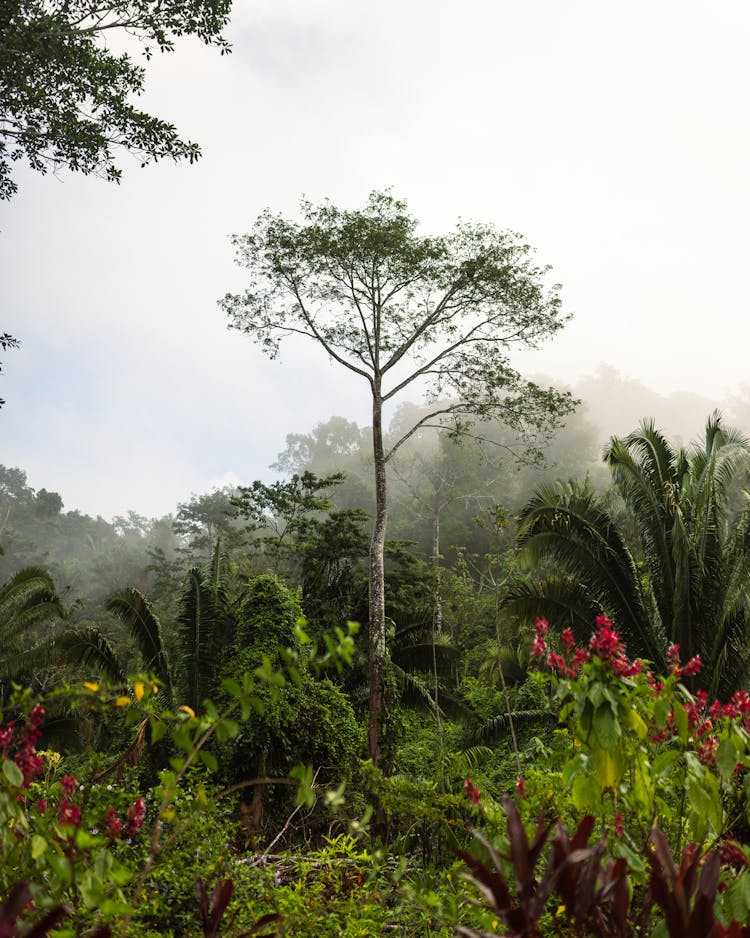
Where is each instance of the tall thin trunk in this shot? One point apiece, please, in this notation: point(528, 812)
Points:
point(377, 586)
point(437, 612)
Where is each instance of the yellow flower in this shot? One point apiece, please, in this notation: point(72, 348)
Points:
point(189, 710)
point(90, 685)
point(561, 909)
point(123, 701)
point(138, 690)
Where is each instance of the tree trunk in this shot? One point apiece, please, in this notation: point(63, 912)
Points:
point(437, 612)
point(377, 588)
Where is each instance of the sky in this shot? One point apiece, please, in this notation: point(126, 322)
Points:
point(614, 137)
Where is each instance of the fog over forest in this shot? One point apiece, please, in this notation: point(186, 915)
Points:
point(612, 404)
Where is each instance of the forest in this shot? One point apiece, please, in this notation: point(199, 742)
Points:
point(478, 666)
point(564, 748)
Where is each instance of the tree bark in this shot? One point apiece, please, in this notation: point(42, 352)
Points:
point(377, 587)
point(437, 613)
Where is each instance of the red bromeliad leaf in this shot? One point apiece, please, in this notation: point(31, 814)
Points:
point(490, 883)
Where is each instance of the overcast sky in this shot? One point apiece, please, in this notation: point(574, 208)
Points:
point(614, 137)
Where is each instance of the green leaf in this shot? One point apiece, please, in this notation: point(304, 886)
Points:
point(232, 687)
point(606, 726)
point(664, 762)
point(609, 765)
point(38, 846)
point(62, 868)
point(661, 712)
point(680, 721)
point(12, 773)
point(209, 760)
point(636, 723)
point(572, 767)
point(586, 793)
point(158, 729)
point(727, 758)
point(305, 793)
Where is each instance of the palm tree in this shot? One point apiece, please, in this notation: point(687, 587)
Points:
point(686, 580)
point(204, 628)
point(28, 600)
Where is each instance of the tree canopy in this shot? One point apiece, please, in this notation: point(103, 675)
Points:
point(65, 96)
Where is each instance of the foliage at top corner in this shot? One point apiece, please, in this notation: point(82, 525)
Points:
point(65, 96)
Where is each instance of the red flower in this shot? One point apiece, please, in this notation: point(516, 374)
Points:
point(112, 824)
point(520, 787)
point(471, 791)
point(619, 829)
point(567, 638)
point(68, 813)
point(69, 784)
point(538, 647)
point(692, 667)
point(732, 854)
point(6, 734)
point(135, 815)
point(606, 641)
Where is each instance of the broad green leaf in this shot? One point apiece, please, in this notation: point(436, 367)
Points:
point(209, 760)
point(664, 762)
point(12, 773)
point(680, 721)
point(61, 867)
point(727, 758)
point(661, 712)
point(606, 726)
point(158, 729)
point(38, 846)
point(609, 765)
point(232, 687)
point(637, 724)
point(586, 793)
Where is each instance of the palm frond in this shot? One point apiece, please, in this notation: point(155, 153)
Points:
point(134, 610)
point(497, 727)
point(89, 648)
point(427, 657)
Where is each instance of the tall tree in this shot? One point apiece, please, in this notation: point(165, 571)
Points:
point(398, 309)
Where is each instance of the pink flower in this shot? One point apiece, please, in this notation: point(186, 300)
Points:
point(541, 627)
point(567, 638)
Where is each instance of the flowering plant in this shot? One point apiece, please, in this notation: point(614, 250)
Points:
point(640, 750)
point(654, 772)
